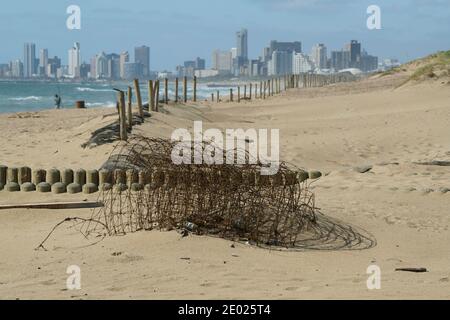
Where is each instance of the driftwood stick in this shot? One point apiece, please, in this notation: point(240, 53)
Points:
point(54, 205)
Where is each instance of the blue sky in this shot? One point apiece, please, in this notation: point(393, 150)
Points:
point(178, 30)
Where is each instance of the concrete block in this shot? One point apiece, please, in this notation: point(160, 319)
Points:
point(44, 187)
point(105, 187)
point(89, 188)
point(80, 177)
point(38, 176)
point(24, 175)
point(53, 176)
point(313, 175)
point(302, 176)
point(120, 177)
point(92, 176)
point(12, 187)
point(137, 187)
point(74, 188)
point(28, 187)
point(120, 187)
point(67, 176)
point(59, 188)
point(3, 174)
point(12, 175)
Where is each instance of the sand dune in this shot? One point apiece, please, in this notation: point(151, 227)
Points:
point(404, 205)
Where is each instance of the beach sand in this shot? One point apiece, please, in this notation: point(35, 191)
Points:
point(334, 129)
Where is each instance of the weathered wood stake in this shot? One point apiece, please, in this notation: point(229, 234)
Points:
point(138, 98)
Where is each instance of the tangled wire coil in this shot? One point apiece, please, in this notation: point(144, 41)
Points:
point(230, 201)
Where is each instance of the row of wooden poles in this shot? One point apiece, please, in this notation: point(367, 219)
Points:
point(258, 90)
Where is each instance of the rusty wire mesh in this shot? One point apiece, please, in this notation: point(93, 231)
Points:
point(234, 202)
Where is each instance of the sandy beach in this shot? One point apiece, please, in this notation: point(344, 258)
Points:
point(402, 202)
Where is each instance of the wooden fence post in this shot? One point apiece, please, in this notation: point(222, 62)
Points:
point(157, 96)
point(185, 89)
point(239, 94)
point(176, 90)
point(130, 106)
point(195, 89)
point(231, 95)
point(166, 91)
point(139, 98)
point(151, 96)
point(122, 120)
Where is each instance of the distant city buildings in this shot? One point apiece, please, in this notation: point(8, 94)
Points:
point(278, 58)
point(142, 57)
point(302, 63)
point(222, 61)
point(75, 60)
point(319, 56)
point(29, 58)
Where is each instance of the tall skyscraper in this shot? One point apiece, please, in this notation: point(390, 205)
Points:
point(200, 64)
point(16, 69)
point(340, 60)
point(29, 58)
point(124, 58)
point(43, 62)
point(222, 61)
point(113, 66)
point(281, 63)
point(355, 53)
point(319, 55)
point(75, 60)
point(142, 56)
point(291, 47)
point(101, 66)
point(242, 44)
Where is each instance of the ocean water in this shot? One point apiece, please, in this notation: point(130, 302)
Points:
point(22, 96)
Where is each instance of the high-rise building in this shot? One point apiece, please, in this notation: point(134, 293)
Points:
point(53, 65)
point(124, 58)
point(319, 56)
point(189, 64)
point(132, 70)
point(340, 60)
point(281, 63)
point(200, 64)
point(75, 60)
point(101, 66)
point(113, 66)
point(266, 55)
point(242, 44)
point(221, 61)
point(17, 69)
point(291, 47)
point(301, 63)
point(43, 62)
point(29, 58)
point(368, 62)
point(142, 56)
point(354, 47)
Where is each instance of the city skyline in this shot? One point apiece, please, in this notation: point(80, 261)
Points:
point(278, 58)
point(120, 27)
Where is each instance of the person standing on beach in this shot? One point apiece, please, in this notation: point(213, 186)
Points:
point(57, 101)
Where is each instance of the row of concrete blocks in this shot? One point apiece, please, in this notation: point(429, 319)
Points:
point(91, 181)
